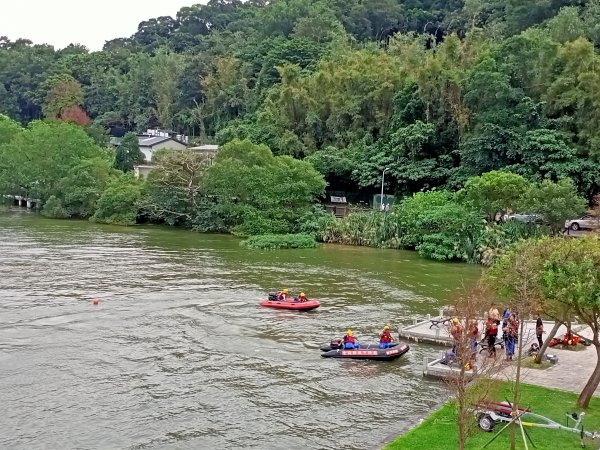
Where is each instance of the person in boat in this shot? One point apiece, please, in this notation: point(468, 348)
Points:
point(282, 295)
point(385, 337)
point(348, 341)
point(302, 298)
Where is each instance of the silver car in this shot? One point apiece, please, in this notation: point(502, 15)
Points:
point(588, 222)
point(524, 217)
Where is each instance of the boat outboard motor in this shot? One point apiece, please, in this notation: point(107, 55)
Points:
point(335, 344)
point(272, 296)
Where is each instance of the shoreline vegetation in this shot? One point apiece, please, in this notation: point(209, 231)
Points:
point(462, 111)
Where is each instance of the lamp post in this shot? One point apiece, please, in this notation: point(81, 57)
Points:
point(382, 180)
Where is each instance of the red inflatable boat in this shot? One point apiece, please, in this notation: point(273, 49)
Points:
point(304, 306)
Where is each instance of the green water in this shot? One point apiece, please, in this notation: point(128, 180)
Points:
point(179, 355)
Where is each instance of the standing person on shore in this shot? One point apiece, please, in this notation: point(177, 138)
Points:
point(491, 331)
point(539, 330)
point(511, 335)
point(494, 314)
point(456, 331)
point(505, 316)
point(473, 337)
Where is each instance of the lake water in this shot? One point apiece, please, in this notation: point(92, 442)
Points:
point(179, 355)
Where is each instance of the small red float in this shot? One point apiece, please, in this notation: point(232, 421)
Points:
point(96, 301)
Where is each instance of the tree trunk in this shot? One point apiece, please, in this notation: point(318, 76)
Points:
point(538, 358)
point(517, 388)
point(462, 422)
point(461, 394)
point(590, 387)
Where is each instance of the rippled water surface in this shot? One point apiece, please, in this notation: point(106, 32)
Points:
point(179, 355)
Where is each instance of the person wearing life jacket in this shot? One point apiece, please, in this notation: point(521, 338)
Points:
point(385, 337)
point(473, 336)
point(511, 336)
point(302, 298)
point(456, 331)
point(282, 295)
point(491, 330)
point(348, 341)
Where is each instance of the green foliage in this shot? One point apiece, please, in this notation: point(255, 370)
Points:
point(277, 241)
point(128, 153)
point(440, 432)
point(496, 239)
point(434, 91)
point(61, 92)
point(495, 192)
point(55, 209)
point(83, 185)
point(270, 192)
point(560, 277)
point(556, 202)
point(173, 192)
point(36, 160)
point(119, 202)
point(8, 129)
point(437, 214)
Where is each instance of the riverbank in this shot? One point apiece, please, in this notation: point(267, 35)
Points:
point(439, 430)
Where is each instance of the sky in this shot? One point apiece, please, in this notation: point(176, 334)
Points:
point(90, 23)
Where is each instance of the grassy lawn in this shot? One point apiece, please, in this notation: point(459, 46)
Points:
point(439, 431)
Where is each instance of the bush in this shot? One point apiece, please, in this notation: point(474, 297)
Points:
point(275, 241)
point(55, 209)
point(255, 222)
point(119, 202)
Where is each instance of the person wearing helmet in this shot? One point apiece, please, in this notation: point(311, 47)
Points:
point(302, 298)
point(491, 330)
point(456, 332)
point(282, 295)
point(348, 341)
point(385, 337)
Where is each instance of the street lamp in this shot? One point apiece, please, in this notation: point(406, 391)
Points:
point(382, 180)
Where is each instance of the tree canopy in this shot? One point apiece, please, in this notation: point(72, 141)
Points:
point(435, 91)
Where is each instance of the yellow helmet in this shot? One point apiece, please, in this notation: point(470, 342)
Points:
point(455, 320)
point(301, 294)
point(349, 332)
point(285, 291)
point(386, 327)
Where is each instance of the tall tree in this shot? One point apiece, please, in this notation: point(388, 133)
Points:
point(128, 153)
point(64, 100)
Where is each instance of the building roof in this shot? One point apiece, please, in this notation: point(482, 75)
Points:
point(149, 141)
point(205, 148)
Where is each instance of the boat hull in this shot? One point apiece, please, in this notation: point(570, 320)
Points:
point(297, 306)
point(369, 352)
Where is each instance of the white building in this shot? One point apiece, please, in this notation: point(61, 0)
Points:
point(151, 144)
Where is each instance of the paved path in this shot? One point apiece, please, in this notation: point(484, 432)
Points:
point(570, 374)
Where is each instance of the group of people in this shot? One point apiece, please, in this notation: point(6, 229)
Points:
point(508, 322)
point(282, 296)
point(385, 339)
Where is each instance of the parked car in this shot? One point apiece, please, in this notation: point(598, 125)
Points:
point(588, 222)
point(524, 217)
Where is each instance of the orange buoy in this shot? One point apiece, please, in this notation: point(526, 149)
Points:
point(95, 301)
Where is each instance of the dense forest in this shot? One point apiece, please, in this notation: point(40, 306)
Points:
point(436, 91)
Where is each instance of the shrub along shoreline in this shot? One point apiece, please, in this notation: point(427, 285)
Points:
point(248, 191)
